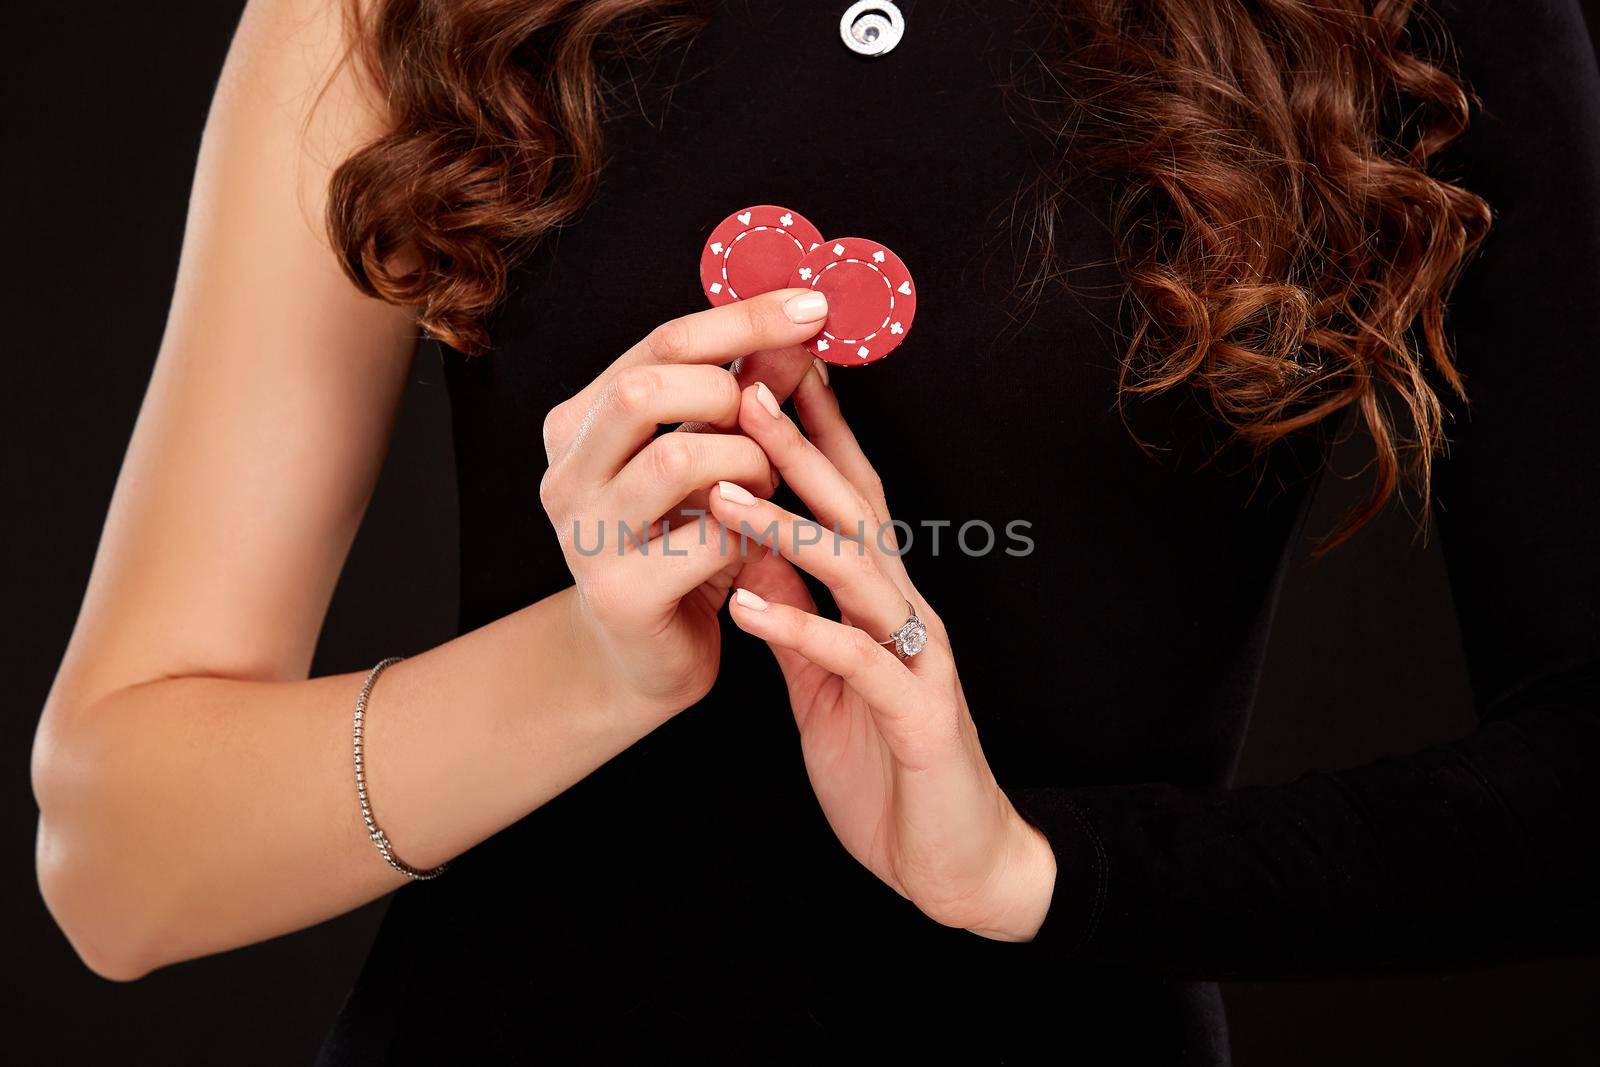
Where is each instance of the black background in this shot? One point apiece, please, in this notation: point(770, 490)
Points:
point(105, 107)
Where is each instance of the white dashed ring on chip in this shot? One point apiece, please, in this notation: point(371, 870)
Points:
point(871, 300)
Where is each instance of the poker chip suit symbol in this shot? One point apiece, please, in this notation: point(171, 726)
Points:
point(754, 251)
point(871, 300)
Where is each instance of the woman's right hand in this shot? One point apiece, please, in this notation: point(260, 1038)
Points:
point(647, 600)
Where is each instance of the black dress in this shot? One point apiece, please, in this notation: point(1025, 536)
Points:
point(688, 900)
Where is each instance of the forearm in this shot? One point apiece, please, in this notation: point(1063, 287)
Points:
point(189, 815)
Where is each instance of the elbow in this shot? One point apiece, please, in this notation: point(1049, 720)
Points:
point(111, 947)
point(79, 879)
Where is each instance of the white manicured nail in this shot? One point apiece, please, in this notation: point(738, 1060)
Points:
point(807, 307)
point(734, 494)
point(822, 370)
point(768, 401)
point(746, 599)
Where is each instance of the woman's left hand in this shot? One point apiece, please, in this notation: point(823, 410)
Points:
point(889, 745)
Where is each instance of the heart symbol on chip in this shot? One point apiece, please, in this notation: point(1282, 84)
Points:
point(754, 251)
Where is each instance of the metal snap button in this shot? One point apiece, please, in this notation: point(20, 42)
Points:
point(872, 28)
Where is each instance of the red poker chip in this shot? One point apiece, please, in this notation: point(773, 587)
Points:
point(871, 300)
point(754, 251)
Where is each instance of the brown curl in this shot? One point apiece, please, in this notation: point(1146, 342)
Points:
point(1288, 252)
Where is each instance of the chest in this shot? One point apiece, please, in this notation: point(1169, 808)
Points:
point(1000, 408)
point(922, 150)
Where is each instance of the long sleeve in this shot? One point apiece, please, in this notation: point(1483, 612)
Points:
point(1488, 847)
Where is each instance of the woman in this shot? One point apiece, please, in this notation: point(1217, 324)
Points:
point(1022, 838)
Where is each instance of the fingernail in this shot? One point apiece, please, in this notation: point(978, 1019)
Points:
point(734, 494)
point(822, 370)
point(746, 599)
point(768, 401)
point(807, 307)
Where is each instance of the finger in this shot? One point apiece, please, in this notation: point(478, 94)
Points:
point(665, 569)
point(776, 320)
point(675, 466)
point(774, 580)
point(868, 668)
point(863, 592)
point(781, 369)
point(825, 426)
point(717, 336)
point(634, 406)
point(815, 480)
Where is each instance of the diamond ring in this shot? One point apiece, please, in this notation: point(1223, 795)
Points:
point(911, 638)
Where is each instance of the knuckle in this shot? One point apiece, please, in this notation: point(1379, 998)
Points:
point(673, 456)
point(867, 510)
point(670, 342)
point(726, 388)
point(860, 649)
point(749, 456)
point(551, 494)
point(863, 569)
point(872, 486)
point(634, 389)
point(762, 316)
point(557, 430)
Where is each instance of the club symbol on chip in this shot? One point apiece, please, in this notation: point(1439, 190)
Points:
point(871, 304)
point(754, 251)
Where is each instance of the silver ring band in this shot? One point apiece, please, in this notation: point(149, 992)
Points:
point(911, 638)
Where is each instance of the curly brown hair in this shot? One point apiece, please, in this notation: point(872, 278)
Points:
point(1288, 253)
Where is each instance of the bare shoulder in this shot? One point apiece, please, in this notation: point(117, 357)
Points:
point(294, 99)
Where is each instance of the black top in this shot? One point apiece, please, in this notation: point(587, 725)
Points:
point(688, 898)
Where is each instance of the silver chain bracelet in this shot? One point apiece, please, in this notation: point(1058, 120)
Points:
point(379, 838)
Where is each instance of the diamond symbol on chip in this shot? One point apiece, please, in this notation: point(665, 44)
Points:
point(716, 287)
point(805, 274)
point(745, 218)
point(895, 327)
point(814, 247)
point(877, 257)
point(863, 352)
point(838, 250)
point(786, 218)
point(905, 287)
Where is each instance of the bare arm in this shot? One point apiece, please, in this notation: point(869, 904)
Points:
point(195, 788)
